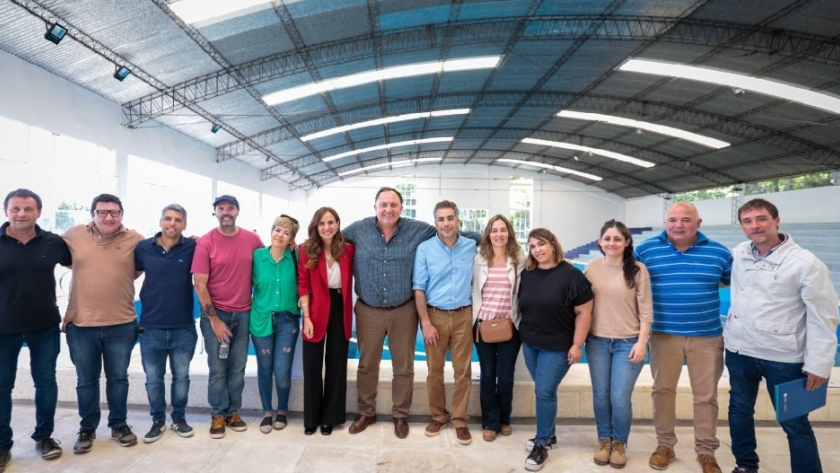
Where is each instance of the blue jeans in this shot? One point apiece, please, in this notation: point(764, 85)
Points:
point(155, 346)
point(745, 373)
point(497, 362)
point(89, 348)
point(275, 354)
point(613, 379)
point(44, 346)
point(227, 377)
point(547, 368)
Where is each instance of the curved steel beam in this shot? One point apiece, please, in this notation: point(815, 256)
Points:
point(567, 27)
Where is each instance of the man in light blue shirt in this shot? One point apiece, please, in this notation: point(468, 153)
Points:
point(442, 284)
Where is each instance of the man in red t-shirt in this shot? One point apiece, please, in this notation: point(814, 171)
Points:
point(222, 277)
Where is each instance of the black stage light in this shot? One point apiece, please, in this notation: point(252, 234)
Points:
point(216, 128)
point(121, 73)
point(55, 33)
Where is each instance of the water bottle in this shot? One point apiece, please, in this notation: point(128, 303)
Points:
point(224, 350)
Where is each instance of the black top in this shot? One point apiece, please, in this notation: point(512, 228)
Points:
point(547, 298)
point(167, 294)
point(27, 281)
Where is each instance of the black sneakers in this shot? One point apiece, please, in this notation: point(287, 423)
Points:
point(181, 428)
point(85, 441)
point(537, 458)
point(124, 436)
point(155, 432)
point(48, 448)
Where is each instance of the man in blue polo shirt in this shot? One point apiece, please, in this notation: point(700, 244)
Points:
point(686, 269)
point(29, 313)
point(167, 326)
point(442, 283)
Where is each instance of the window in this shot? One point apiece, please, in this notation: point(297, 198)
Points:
point(407, 185)
point(521, 200)
point(65, 171)
point(473, 220)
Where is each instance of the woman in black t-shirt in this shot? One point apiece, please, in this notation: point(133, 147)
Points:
point(555, 300)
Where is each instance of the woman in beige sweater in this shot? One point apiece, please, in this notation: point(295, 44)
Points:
point(617, 344)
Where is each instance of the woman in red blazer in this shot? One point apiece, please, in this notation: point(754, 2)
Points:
point(325, 276)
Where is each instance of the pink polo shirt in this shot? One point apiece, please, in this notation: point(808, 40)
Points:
point(227, 260)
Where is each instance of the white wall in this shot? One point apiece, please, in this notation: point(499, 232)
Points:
point(38, 98)
point(798, 206)
point(573, 211)
point(645, 212)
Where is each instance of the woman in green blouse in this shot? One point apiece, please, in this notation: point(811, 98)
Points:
point(275, 319)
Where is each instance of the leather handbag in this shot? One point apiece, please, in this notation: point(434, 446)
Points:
point(495, 330)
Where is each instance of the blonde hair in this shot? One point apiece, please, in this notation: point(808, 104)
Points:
point(286, 222)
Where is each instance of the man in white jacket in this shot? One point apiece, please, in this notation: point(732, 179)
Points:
point(781, 327)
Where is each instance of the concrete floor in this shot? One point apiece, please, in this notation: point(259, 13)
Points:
point(376, 449)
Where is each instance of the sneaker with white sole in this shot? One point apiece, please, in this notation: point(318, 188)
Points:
point(48, 448)
point(537, 458)
point(235, 422)
point(181, 428)
point(155, 432)
point(265, 425)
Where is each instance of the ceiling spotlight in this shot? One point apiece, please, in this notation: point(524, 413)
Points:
point(738, 91)
point(216, 128)
point(55, 33)
point(575, 158)
point(639, 132)
point(121, 73)
point(543, 171)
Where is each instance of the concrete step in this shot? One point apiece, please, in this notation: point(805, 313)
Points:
point(574, 394)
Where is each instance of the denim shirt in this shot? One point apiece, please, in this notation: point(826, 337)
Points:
point(784, 308)
point(383, 270)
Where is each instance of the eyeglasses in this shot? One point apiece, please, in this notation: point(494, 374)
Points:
point(105, 213)
point(294, 220)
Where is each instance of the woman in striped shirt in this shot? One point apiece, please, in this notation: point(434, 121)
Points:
point(496, 270)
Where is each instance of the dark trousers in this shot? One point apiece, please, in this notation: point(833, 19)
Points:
point(497, 362)
point(745, 373)
point(44, 346)
point(325, 400)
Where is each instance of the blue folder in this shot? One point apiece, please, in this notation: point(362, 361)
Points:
point(793, 400)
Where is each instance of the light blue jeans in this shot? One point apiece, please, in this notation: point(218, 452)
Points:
point(275, 354)
point(547, 368)
point(613, 379)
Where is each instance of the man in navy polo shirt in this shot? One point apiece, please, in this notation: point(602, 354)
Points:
point(29, 313)
point(167, 326)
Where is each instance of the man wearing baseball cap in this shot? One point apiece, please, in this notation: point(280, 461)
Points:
point(222, 277)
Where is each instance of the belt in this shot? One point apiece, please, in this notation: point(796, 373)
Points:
point(438, 309)
point(336, 289)
point(390, 307)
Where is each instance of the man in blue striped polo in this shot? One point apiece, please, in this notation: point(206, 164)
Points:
point(686, 269)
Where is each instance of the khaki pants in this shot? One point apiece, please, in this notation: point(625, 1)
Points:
point(455, 333)
point(704, 356)
point(372, 325)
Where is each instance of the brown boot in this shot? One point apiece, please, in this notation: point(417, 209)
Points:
point(708, 462)
point(618, 457)
point(661, 458)
point(602, 455)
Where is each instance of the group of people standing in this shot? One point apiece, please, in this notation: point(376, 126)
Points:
point(460, 288)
